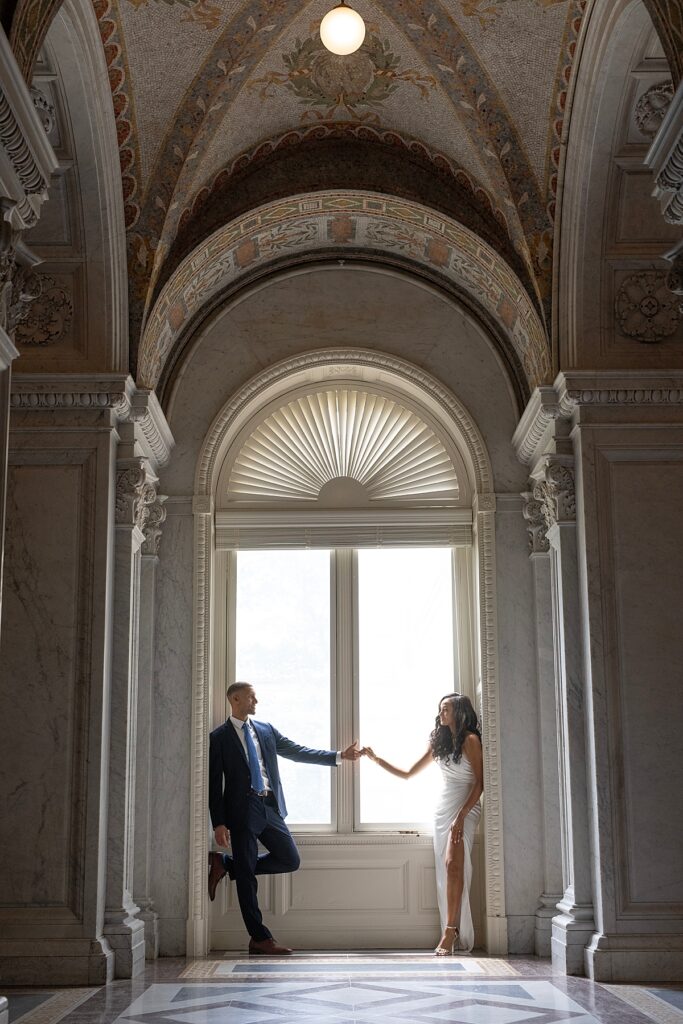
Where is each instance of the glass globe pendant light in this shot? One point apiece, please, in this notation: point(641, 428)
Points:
point(342, 30)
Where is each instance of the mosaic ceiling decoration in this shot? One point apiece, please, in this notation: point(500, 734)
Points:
point(201, 85)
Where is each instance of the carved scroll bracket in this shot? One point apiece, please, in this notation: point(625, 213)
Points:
point(153, 527)
point(135, 493)
point(537, 528)
point(555, 493)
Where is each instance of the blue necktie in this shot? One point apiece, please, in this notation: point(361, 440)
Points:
point(257, 782)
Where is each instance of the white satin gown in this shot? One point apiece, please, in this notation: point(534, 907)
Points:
point(457, 782)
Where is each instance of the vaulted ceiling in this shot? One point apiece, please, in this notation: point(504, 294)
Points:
point(224, 105)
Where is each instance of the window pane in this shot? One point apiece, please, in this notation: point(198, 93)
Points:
point(405, 665)
point(283, 650)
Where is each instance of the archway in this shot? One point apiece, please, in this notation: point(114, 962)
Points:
point(466, 521)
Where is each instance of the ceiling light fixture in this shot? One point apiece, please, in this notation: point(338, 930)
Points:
point(342, 30)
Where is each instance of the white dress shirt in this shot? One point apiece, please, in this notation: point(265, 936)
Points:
point(239, 725)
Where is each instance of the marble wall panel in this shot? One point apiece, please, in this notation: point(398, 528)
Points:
point(521, 782)
point(172, 714)
point(43, 712)
point(644, 671)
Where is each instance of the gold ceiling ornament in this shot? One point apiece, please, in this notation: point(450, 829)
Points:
point(343, 446)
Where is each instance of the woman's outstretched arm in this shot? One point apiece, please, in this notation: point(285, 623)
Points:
point(402, 773)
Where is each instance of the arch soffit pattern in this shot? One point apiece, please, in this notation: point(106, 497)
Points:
point(398, 377)
point(334, 221)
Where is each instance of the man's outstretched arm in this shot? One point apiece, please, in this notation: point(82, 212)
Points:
point(296, 752)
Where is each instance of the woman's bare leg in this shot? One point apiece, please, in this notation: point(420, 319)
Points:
point(455, 879)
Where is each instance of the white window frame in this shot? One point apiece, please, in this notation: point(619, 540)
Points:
point(344, 693)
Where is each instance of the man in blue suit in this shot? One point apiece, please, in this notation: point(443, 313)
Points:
point(247, 806)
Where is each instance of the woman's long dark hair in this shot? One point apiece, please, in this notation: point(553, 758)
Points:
point(442, 741)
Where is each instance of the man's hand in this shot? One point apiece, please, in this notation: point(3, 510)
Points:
point(222, 836)
point(351, 753)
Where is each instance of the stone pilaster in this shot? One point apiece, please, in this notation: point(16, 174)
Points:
point(84, 455)
point(142, 870)
point(539, 554)
point(573, 927)
point(135, 494)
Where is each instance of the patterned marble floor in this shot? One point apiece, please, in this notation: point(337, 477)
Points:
point(353, 988)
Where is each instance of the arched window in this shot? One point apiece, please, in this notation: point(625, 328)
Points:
point(343, 535)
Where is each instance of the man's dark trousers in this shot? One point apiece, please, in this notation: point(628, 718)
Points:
point(265, 825)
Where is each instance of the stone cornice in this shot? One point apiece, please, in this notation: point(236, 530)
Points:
point(542, 408)
point(618, 388)
point(577, 389)
point(27, 159)
point(117, 393)
point(665, 159)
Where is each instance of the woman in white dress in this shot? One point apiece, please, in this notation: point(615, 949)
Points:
point(455, 744)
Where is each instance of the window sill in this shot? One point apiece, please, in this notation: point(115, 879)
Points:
point(362, 838)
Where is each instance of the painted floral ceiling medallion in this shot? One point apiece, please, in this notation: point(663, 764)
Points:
point(327, 84)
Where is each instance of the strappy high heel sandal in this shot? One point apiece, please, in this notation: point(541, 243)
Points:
point(442, 950)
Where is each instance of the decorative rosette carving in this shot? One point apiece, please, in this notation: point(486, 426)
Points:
point(46, 318)
point(652, 106)
point(645, 307)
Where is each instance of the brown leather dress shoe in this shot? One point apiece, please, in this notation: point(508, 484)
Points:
point(267, 947)
point(216, 872)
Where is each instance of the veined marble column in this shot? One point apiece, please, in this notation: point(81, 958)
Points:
point(539, 554)
point(135, 494)
point(573, 927)
point(149, 560)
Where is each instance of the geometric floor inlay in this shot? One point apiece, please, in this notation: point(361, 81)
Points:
point(46, 1007)
point(664, 1006)
point(394, 965)
point(357, 1001)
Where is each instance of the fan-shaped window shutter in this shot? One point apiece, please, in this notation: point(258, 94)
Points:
point(343, 447)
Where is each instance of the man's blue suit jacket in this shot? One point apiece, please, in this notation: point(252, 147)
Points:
point(229, 779)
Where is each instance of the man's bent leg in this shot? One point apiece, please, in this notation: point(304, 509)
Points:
point(245, 858)
point(282, 855)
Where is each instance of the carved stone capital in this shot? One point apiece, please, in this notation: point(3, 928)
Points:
point(556, 494)
point(19, 284)
point(135, 494)
point(156, 515)
point(537, 528)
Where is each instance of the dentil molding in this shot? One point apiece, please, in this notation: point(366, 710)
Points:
point(116, 394)
point(578, 389)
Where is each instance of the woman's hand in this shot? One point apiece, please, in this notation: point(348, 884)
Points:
point(369, 752)
point(457, 828)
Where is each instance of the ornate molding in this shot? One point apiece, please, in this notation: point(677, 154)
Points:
point(533, 512)
point(556, 494)
point(156, 516)
point(99, 393)
point(541, 411)
point(26, 158)
point(621, 388)
point(665, 159)
point(46, 110)
point(321, 360)
point(652, 106)
point(135, 494)
point(44, 318)
point(645, 308)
